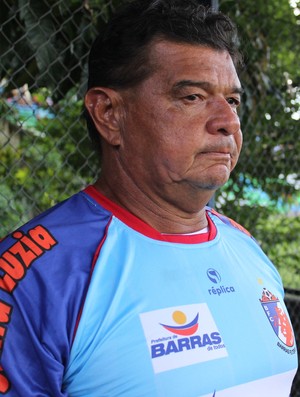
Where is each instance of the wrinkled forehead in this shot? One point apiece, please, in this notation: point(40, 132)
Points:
point(172, 61)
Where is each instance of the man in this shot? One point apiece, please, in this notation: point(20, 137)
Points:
point(133, 287)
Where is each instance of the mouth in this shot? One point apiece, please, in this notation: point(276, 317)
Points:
point(219, 149)
point(217, 153)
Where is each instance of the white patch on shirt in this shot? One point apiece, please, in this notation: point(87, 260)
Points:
point(182, 335)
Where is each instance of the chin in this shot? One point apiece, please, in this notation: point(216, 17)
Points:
point(207, 185)
point(212, 182)
point(212, 186)
point(214, 177)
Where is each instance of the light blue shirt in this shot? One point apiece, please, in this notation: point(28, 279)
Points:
point(178, 319)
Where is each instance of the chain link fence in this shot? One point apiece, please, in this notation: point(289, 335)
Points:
point(45, 154)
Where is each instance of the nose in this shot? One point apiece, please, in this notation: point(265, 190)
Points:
point(223, 119)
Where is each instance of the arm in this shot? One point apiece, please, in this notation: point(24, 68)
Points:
point(32, 358)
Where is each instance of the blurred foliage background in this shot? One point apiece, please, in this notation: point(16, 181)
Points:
point(45, 153)
point(263, 193)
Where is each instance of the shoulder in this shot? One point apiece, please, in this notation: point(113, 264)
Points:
point(228, 221)
point(66, 219)
point(59, 240)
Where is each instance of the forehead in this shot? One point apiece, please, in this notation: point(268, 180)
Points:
point(172, 61)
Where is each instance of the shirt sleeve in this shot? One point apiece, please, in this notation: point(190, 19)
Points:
point(44, 276)
point(34, 330)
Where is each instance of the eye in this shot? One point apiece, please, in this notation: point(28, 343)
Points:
point(234, 102)
point(192, 97)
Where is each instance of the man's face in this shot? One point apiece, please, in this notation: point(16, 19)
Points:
point(181, 127)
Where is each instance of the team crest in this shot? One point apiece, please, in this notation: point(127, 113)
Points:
point(277, 317)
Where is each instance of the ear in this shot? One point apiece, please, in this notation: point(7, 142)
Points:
point(105, 108)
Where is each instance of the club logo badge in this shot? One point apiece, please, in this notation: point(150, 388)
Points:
point(277, 317)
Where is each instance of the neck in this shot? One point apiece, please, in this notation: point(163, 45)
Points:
point(178, 215)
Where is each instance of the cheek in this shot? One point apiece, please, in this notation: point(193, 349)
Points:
point(239, 141)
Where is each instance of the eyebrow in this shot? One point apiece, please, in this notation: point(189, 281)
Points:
point(204, 85)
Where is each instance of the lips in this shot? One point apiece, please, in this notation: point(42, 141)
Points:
point(218, 150)
point(217, 154)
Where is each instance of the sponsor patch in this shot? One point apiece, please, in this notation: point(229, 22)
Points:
point(182, 336)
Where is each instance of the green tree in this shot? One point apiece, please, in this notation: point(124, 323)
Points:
point(270, 111)
point(47, 165)
point(265, 184)
point(46, 42)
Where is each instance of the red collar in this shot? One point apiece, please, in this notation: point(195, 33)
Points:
point(140, 226)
